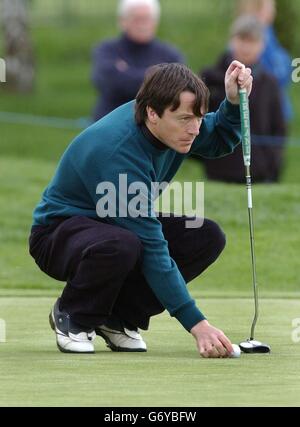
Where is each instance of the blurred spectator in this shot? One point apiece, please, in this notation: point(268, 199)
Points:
point(274, 58)
point(119, 65)
point(267, 121)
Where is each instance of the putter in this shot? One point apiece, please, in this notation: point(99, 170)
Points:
point(250, 345)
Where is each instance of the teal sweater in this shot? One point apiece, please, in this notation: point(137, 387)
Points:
point(116, 145)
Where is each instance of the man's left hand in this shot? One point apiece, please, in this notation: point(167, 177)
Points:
point(237, 76)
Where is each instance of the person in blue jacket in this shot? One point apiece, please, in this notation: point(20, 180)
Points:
point(119, 65)
point(275, 58)
point(96, 228)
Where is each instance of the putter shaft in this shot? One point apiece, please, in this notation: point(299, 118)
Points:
point(252, 247)
point(246, 146)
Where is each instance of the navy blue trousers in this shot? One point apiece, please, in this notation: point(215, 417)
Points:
point(101, 265)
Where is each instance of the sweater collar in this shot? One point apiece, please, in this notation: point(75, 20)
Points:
point(155, 142)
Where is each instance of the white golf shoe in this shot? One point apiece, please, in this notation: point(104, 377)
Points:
point(70, 338)
point(121, 338)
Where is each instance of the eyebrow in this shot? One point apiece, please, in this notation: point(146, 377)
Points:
point(190, 115)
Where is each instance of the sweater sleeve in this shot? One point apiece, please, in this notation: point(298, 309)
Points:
point(159, 269)
point(220, 132)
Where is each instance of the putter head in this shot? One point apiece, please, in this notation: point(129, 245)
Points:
point(253, 346)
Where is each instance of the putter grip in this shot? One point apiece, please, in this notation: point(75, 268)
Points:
point(245, 125)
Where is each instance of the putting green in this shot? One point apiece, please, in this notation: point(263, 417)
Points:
point(171, 373)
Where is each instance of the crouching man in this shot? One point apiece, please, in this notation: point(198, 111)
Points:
point(120, 269)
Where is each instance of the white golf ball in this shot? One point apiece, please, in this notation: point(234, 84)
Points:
point(236, 351)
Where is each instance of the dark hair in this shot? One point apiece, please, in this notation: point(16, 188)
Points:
point(162, 87)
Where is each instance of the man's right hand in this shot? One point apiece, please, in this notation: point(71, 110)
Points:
point(211, 342)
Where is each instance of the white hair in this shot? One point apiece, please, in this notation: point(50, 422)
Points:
point(126, 5)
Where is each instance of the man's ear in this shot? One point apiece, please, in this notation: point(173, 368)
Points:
point(152, 115)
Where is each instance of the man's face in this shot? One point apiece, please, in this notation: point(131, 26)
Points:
point(139, 24)
point(177, 129)
point(247, 50)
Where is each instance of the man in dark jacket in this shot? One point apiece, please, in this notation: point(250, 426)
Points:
point(267, 119)
point(119, 65)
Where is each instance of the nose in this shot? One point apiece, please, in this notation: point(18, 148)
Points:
point(194, 127)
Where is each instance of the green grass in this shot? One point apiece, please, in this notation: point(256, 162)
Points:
point(29, 154)
point(277, 210)
point(171, 373)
